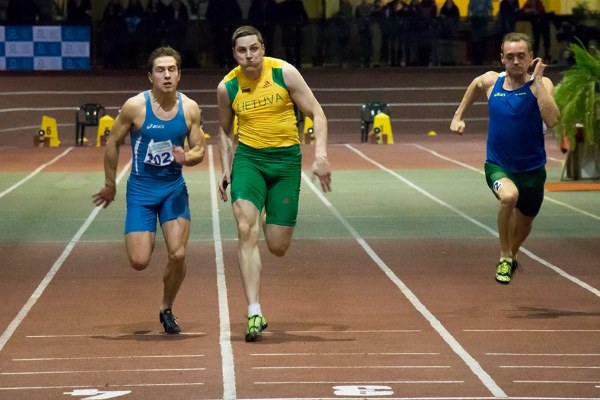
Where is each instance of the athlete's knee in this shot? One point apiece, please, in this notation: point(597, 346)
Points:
point(247, 230)
point(278, 249)
point(508, 199)
point(138, 263)
point(278, 245)
point(177, 256)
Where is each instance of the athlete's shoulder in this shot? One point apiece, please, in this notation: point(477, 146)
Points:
point(233, 74)
point(134, 105)
point(187, 101)
point(488, 79)
point(273, 62)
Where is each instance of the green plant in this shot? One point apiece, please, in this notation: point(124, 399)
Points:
point(578, 96)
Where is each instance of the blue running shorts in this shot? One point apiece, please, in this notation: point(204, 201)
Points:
point(149, 198)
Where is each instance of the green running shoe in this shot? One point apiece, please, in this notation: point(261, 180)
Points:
point(256, 324)
point(505, 270)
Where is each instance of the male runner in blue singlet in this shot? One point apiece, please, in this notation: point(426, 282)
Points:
point(158, 120)
point(520, 104)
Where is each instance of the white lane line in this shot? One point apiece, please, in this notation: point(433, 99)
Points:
point(106, 358)
point(97, 371)
point(227, 362)
point(533, 330)
point(553, 382)
point(480, 171)
point(112, 335)
point(368, 331)
point(356, 383)
point(34, 173)
point(545, 354)
point(483, 376)
point(549, 367)
point(340, 354)
point(106, 386)
point(12, 327)
point(540, 260)
point(347, 89)
point(354, 367)
point(30, 127)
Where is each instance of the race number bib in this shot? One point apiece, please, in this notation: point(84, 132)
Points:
point(159, 154)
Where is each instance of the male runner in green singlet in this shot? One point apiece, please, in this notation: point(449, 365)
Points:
point(265, 172)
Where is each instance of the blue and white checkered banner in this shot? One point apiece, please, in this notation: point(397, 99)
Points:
point(44, 48)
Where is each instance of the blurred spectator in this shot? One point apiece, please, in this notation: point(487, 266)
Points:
point(46, 11)
point(3, 8)
point(133, 18)
point(292, 18)
point(427, 33)
point(376, 27)
point(391, 51)
point(111, 33)
point(155, 27)
point(223, 16)
point(480, 12)
point(79, 12)
point(176, 17)
point(535, 13)
point(449, 19)
point(508, 15)
point(411, 27)
point(342, 23)
point(21, 12)
point(263, 16)
point(363, 18)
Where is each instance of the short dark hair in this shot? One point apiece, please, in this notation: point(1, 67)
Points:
point(516, 37)
point(165, 51)
point(246, 30)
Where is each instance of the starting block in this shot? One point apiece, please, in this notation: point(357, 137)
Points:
point(104, 126)
point(382, 129)
point(308, 131)
point(48, 133)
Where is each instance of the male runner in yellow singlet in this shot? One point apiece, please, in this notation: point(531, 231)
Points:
point(265, 172)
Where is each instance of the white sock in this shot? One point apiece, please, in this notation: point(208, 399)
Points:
point(254, 309)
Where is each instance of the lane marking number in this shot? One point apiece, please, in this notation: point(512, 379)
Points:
point(96, 394)
point(367, 390)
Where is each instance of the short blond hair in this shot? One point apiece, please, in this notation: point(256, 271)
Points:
point(516, 37)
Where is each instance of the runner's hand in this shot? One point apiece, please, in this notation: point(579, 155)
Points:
point(179, 155)
point(105, 196)
point(223, 183)
point(321, 170)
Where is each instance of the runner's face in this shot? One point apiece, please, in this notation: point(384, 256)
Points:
point(516, 58)
point(249, 52)
point(165, 74)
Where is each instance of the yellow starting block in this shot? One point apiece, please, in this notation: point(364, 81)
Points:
point(308, 131)
point(104, 126)
point(382, 129)
point(48, 133)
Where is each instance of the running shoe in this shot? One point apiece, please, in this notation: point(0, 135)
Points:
point(169, 321)
point(505, 270)
point(256, 324)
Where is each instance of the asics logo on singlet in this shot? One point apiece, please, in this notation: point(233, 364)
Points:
point(154, 126)
point(499, 94)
